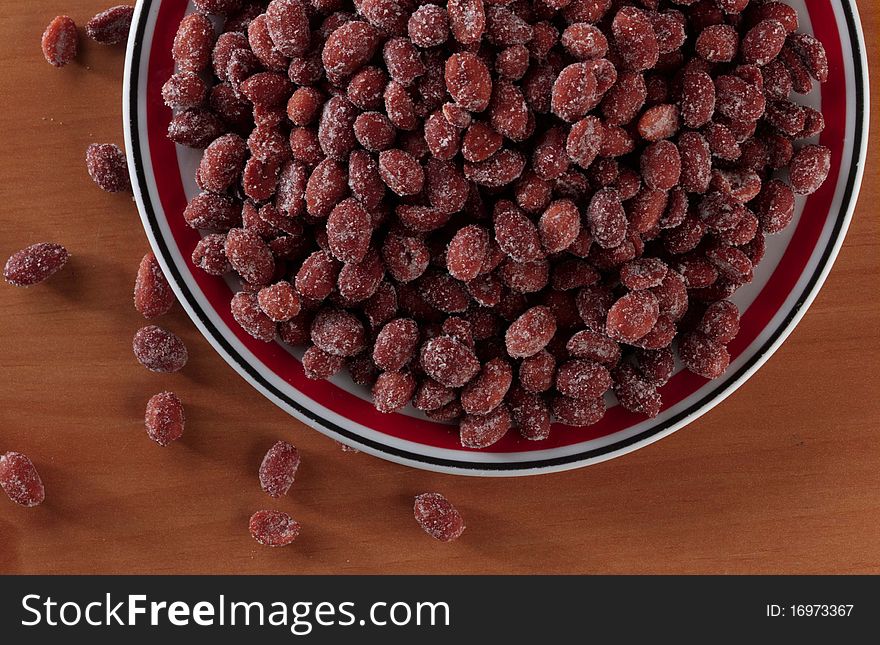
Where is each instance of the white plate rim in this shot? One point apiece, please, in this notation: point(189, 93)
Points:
point(501, 467)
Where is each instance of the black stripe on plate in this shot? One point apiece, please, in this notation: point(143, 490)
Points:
point(729, 382)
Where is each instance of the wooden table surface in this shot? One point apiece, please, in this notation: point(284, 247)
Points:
point(784, 476)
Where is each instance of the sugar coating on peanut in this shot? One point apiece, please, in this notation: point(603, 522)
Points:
point(34, 264)
point(164, 418)
point(60, 41)
point(273, 528)
point(278, 469)
point(20, 480)
point(438, 517)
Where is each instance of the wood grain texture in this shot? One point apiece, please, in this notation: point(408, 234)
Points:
point(782, 477)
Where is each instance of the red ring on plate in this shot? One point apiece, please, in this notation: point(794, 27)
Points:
point(275, 358)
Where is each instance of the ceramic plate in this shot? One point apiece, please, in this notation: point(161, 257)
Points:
point(785, 283)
